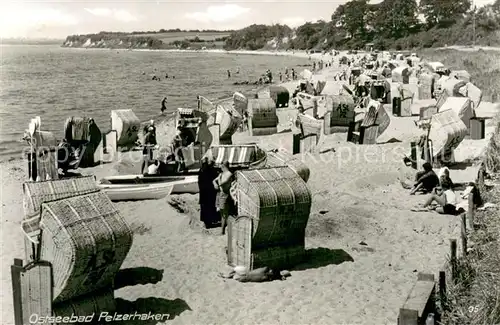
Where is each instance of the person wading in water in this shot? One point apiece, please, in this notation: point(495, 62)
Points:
point(223, 185)
point(163, 105)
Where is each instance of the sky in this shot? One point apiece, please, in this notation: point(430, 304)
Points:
point(58, 19)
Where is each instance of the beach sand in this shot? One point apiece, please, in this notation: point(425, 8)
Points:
point(357, 198)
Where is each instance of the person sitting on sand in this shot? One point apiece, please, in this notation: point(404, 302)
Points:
point(446, 199)
point(153, 168)
point(425, 181)
point(444, 176)
point(223, 185)
point(147, 151)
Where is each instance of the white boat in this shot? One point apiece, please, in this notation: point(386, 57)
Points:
point(180, 184)
point(132, 192)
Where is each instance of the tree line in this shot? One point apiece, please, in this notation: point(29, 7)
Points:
point(389, 24)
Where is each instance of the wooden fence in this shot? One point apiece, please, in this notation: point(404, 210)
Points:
point(421, 300)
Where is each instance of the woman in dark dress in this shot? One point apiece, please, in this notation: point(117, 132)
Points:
point(208, 194)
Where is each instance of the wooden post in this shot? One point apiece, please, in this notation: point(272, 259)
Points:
point(453, 259)
point(250, 126)
point(15, 271)
point(414, 155)
point(420, 301)
point(296, 143)
point(442, 290)
point(470, 210)
point(464, 233)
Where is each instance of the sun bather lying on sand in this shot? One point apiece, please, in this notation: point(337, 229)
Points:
point(425, 180)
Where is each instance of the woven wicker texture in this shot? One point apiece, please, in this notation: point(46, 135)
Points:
point(264, 131)
point(86, 240)
point(474, 93)
point(76, 129)
point(94, 303)
point(278, 202)
point(240, 103)
point(228, 118)
point(284, 158)
point(452, 86)
point(461, 75)
point(36, 193)
point(401, 75)
point(127, 126)
point(406, 100)
point(371, 114)
point(44, 166)
point(236, 155)
point(383, 120)
point(342, 109)
point(280, 95)
point(309, 125)
point(241, 252)
point(263, 113)
point(271, 196)
point(205, 105)
point(45, 139)
point(425, 86)
point(441, 97)
point(460, 105)
point(377, 89)
point(446, 133)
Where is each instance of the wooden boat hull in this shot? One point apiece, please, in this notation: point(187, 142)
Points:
point(180, 184)
point(136, 192)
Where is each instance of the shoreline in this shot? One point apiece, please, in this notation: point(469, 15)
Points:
point(299, 54)
point(11, 157)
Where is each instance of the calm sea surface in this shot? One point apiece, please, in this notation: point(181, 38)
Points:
point(56, 83)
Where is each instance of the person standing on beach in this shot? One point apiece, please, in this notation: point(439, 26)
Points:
point(228, 74)
point(163, 105)
point(281, 77)
point(207, 193)
point(293, 74)
point(147, 151)
point(223, 185)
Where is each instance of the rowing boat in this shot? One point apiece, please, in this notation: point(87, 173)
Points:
point(133, 192)
point(180, 184)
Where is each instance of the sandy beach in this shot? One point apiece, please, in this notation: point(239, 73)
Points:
point(367, 245)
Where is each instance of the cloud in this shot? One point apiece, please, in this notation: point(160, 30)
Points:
point(19, 20)
point(117, 14)
point(219, 14)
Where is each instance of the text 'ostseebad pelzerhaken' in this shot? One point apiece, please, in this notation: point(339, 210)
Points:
point(102, 317)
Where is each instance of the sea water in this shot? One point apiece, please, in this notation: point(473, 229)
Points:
point(56, 83)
